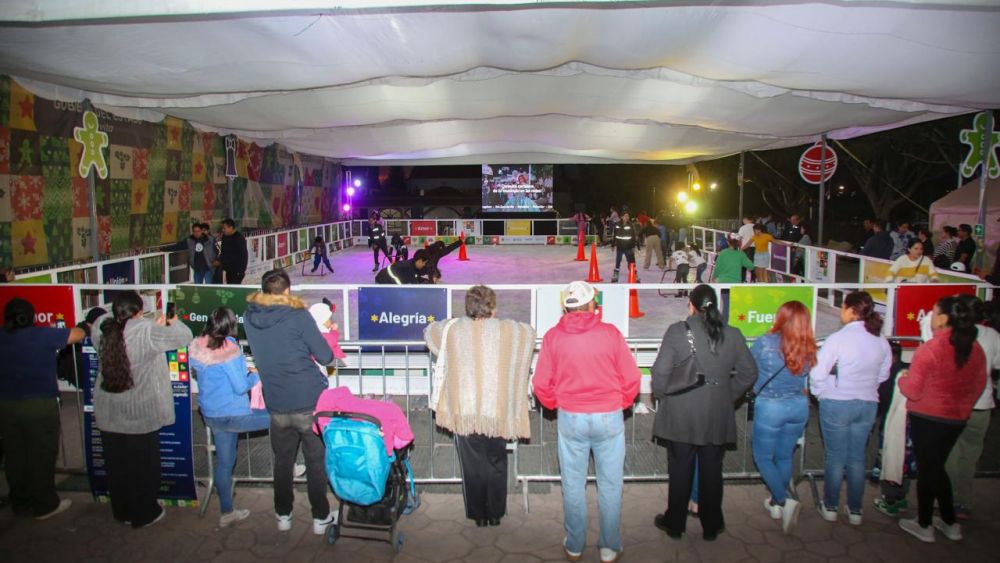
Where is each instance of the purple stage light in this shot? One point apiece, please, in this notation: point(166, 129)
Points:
point(350, 192)
point(357, 182)
point(347, 207)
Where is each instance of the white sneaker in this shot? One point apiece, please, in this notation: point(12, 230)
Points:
point(773, 509)
point(571, 555)
point(952, 532)
point(914, 528)
point(163, 514)
point(299, 470)
point(284, 522)
point(609, 555)
point(790, 515)
point(63, 506)
point(828, 514)
point(231, 517)
point(320, 524)
point(854, 518)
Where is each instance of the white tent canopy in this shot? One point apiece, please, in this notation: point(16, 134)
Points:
point(962, 206)
point(459, 83)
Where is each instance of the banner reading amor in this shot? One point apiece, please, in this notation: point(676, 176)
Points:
point(752, 307)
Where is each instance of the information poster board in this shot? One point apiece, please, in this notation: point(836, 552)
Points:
point(177, 479)
point(53, 304)
point(913, 302)
point(399, 312)
point(752, 307)
point(612, 302)
point(195, 302)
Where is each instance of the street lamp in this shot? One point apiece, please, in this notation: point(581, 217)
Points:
point(682, 196)
point(712, 186)
point(696, 186)
point(691, 207)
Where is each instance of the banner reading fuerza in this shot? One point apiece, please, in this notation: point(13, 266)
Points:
point(399, 313)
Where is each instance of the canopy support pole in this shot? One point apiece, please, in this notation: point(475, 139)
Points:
point(95, 249)
point(739, 180)
point(986, 149)
point(822, 189)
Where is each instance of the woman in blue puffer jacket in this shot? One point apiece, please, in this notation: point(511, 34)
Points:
point(224, 384)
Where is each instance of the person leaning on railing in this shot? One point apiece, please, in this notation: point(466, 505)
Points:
point(913, 266)
point(848, 400)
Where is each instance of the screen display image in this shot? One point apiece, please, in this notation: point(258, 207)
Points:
point(517, 188)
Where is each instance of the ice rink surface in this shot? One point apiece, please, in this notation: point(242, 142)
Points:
point(528, 266)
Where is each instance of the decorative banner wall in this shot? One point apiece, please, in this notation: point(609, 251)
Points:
point(752, 307)
point(53, 304)
point(161, 177)
point(913, 302)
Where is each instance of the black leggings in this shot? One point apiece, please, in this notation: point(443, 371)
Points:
point(932, 442)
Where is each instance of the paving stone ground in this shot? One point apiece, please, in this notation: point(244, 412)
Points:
point(438, 532)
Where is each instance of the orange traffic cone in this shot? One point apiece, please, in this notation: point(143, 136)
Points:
point(461, 251)
point(580, 257)
point(633, 295)
point(595, 273)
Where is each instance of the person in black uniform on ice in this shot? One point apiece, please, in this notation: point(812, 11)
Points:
point(405, 272)
point(399, 248)
point(376, 238)
point(624, 239)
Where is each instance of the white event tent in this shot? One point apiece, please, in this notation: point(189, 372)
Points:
point(495, 81)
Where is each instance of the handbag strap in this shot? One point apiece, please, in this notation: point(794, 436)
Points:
point(769, 379)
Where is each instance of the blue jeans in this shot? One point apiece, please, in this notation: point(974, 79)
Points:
point(202, 277)
point(225, 432)
point(777, 426)
point(846, 426)
point(604, 435)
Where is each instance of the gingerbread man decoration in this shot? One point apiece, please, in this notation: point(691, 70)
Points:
point(93, 142)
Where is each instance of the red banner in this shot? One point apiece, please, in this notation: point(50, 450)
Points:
point(282, 244)
point(915, 301)
point(53, 303)
point(423, 228)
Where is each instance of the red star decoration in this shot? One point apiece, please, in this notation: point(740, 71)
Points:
point(170, 228)
point(27, 108)
point(138, 197)
point(198, 168)
point(742, 318)
point(28, 243)
point(175, 134)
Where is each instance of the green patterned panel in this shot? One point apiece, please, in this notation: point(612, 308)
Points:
point(6, 252)
point(158, 163)
point(59, 235)
point(57, 198)
point(120, 232)
point(55, 150)
point(121, 200)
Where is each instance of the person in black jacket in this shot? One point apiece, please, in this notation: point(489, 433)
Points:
point(69, 360)
point(376, 238)
point(698, 424)
point(233, 257)
point(286, 346)
point(880, 244)
point(625, 240)
point(406, 272)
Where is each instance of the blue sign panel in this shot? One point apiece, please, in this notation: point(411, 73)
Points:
point(399, 312)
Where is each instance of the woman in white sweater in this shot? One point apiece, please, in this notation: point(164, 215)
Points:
point(912, 266)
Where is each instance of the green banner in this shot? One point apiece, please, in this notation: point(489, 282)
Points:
point(194, 303)
point(752, 307)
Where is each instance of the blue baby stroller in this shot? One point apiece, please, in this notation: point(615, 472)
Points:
point(374, 489)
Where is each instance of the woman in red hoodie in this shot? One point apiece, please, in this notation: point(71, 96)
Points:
point(942, 385)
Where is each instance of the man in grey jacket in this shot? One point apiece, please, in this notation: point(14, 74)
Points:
point(285, 340)
point(201, 253)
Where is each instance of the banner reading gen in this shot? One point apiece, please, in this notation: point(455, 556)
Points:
point(194, 303)
point(399, 313)
point(752, 307)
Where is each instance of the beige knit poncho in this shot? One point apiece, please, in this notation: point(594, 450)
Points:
point(485, 386)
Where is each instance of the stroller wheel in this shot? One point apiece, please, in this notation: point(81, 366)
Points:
point(397, 541)
point(332, 533)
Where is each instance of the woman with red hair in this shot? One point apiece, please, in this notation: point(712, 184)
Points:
point(784, 356)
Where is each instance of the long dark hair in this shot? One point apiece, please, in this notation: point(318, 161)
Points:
point(864, 308)
point(116, 371)
point(221, 324)
point(962, 320)
point(18, 314)
point(704, 301)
